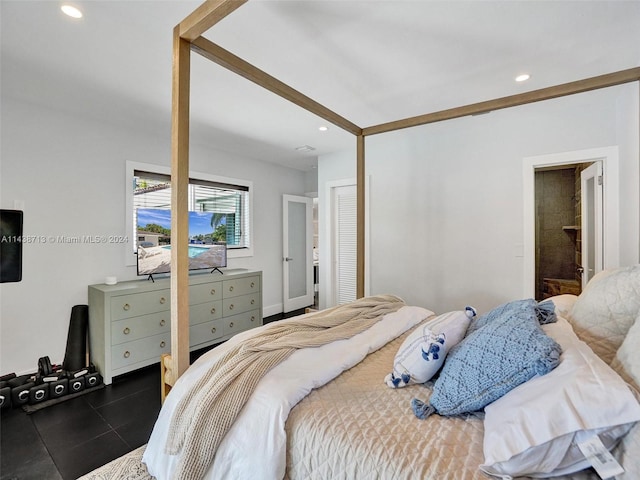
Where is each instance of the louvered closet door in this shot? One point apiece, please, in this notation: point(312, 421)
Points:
point(345, 244)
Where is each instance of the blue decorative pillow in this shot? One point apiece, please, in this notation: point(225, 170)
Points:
point(504, 351)
point(545, 313)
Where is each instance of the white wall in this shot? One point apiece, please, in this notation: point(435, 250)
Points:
point(70, 174)
point(446, 222)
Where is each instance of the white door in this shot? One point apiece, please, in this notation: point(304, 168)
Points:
point(297, 252)
point(345, 244)
point(592, 225)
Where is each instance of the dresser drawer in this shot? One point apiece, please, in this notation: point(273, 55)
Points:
point(205, 292)
point(134, 305)
point(234, 305)
point(238, 323)
point(205, 332)
point(240, 286)
point(140, 350)
point(130, 329)
point(205, 312)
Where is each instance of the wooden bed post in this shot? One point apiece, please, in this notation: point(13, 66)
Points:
point(177, 363)
point(360, 214)
point(199, 21)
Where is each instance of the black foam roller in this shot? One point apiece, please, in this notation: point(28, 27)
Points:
point(75, 356)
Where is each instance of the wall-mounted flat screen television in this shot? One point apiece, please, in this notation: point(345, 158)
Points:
point(10, 246)
point(207, 241)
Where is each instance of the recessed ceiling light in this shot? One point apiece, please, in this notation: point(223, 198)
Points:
point(523, 78)
point(71, 11)
point(323, 128)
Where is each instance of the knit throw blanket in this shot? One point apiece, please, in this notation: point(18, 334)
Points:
point(207, 411)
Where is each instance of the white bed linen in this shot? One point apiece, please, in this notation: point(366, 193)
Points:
point(255, 447)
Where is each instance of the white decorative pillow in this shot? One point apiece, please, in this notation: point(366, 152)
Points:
point(581, 397)
point(423, 352)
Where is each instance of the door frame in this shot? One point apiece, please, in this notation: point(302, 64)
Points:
point(291, 304)
point(327, 249)
point(611, 210)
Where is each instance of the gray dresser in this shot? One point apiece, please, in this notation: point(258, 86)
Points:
point(130, 322)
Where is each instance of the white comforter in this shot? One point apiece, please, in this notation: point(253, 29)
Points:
point(255, 447)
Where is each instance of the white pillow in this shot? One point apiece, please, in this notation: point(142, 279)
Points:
point(627, 360)
point(562, 303)
point(534, 429)
point(422, 353)
point(627, 364)
point(606, 309)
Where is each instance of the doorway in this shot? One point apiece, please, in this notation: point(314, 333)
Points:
point(559, 197)
point(338, 254)
point(297, 253)
point(610, 231)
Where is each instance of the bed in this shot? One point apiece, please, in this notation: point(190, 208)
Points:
point(343, 421)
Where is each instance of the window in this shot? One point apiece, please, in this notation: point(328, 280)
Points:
point(228, 200)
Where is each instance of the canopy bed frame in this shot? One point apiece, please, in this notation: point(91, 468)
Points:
point(187, 37)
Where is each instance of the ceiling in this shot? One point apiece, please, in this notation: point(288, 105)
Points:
point(369, 61)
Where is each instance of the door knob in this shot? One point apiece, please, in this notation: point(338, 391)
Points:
point(287, 259)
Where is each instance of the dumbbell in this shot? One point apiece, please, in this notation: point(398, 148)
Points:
point(39, 393)
point(44, 367)
point(93, 379)
point(5, 395)
point(58, 388)
point(20, 387)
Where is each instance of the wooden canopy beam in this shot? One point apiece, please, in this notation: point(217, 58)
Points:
point(231, 62)
point(580, 86)
point(206, 16)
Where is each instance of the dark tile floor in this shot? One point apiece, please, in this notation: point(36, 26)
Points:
point(69, 439)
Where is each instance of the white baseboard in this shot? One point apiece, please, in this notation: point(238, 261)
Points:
point(269, 310)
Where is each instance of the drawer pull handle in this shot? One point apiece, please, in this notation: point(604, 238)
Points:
point(126, 306)
point(127, 354)
point(231, 288)
point(253, 318)
point(213, 291)
point(213, 310)
point(231, 325)
point(162, 344)
point(253, 284)
point(231, 307)
point(213, 330)
point(253, 301)
point(126, 331)
point(162, 300)
point(162, 322)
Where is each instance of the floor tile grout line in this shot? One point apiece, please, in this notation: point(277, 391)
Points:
point(46, 447)
point(95, 407)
